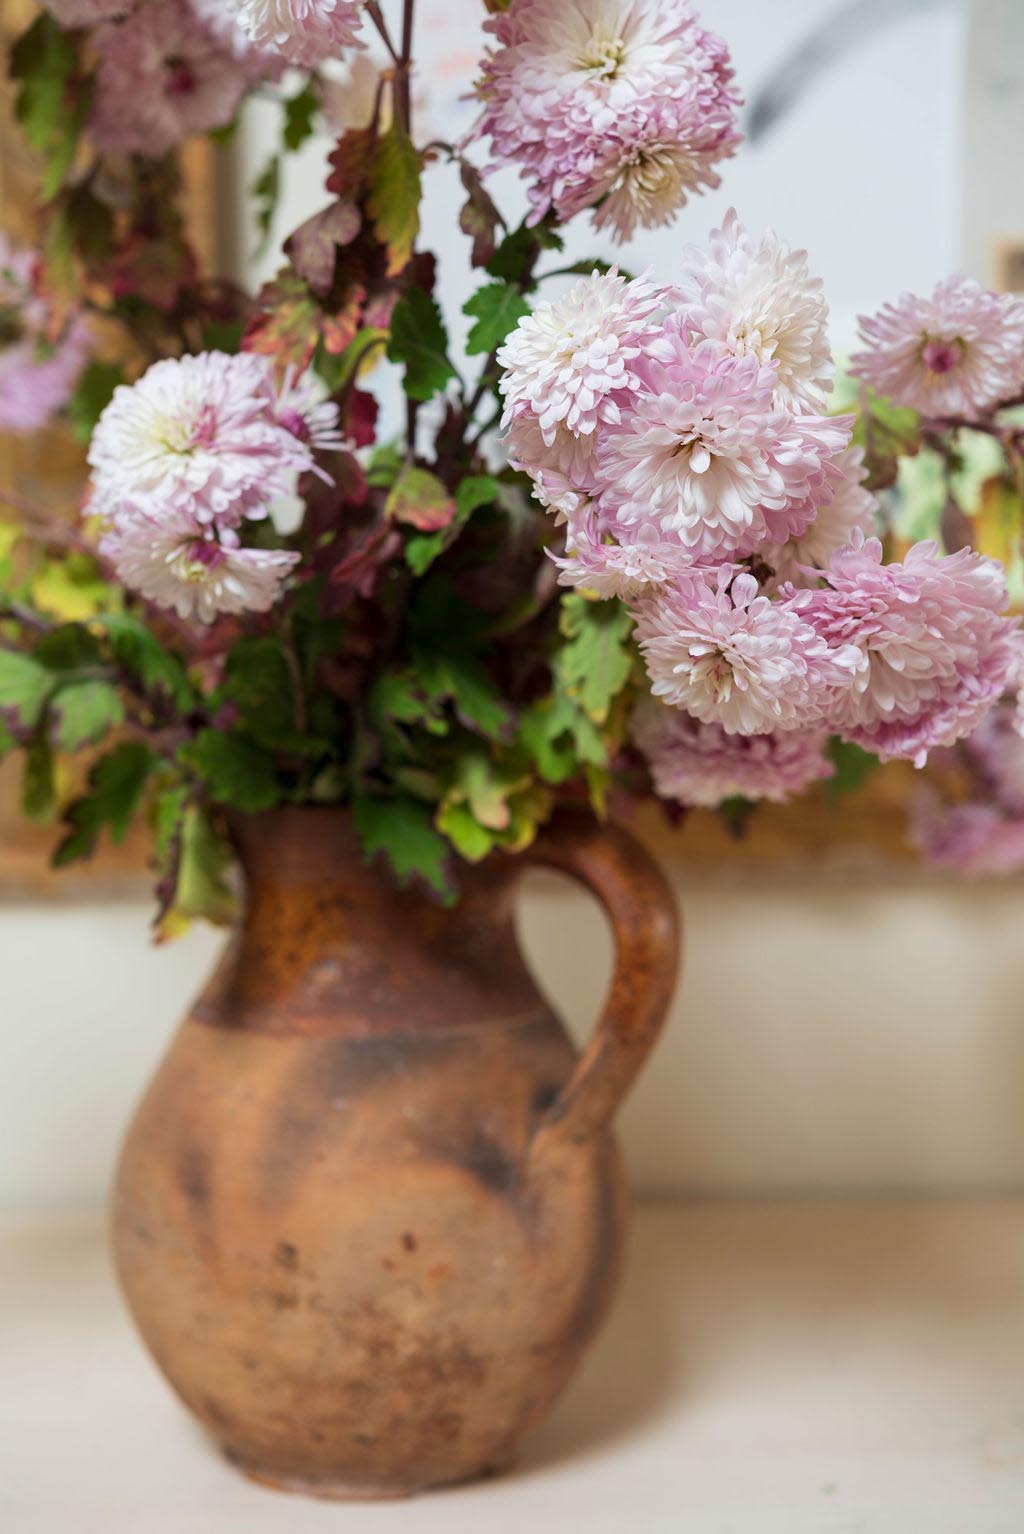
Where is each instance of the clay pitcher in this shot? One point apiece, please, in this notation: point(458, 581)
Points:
point(369, 1214)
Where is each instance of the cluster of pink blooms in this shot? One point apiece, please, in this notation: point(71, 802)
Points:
point(982, 833)
point(182, 460)
point(680, 434)
point(626, 108)
point(37, 372)
point(170, 69)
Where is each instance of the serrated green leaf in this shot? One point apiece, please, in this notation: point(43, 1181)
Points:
point(597, 661)
point(560, 738)
point(25, 686)
point(265, 192)
point(497, 309)
point(198, 882)
point(235, 771)
point(116, 786)
point(38, 790)
point(52, 105)
point(300, 112)
point(82, 713)
point(515, 257)
point(419, 341)
point(402, 831)
point(465, 680)
point(393, 202)
point(7, 741)
point(258, 681)
point(136, 649)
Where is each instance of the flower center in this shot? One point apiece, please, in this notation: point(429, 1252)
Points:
point(294, 423)
point(604, 56)
point(942, 356)
point(197, 560)
point(179, 77)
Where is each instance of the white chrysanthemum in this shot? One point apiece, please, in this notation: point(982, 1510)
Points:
point(221, 18)
point(175, 564)
point(732, 657)
point(852, 509)
point(196, 434)
point(306, 32)
point(570, 362)
point(758, 297)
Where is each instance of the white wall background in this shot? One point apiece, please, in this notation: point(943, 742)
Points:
point(830, 1035)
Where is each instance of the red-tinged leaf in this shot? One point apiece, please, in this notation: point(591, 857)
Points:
point(289, 323)
point(152, 270)
point(360, 422)
point(381, 306)
point(479, 218)
point(350, 161)
point(343, 324)
point(419, 499)
point(394, 196)
point(359, 571)
point(313, 248)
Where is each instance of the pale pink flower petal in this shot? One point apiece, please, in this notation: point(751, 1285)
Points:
point(37, 374)
point(173, 562)
point(625, 567)
point(163, 77)
point(701, 766)
point(305, 32)
point(937, 651)
point(976, 840)
point(732, 657)
point(87, 13)
point(630, 101)
point(197, 434)
point(957, 353)
point(852, 509)
point(757, 297)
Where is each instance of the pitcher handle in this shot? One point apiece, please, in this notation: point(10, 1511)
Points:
point(645, 922)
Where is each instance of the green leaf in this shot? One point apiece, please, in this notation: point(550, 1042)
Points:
point(93, 393)
point(419, 499)
point(854, 767)
point(462, 678)
point(258, 681)
point(300, 113)
point(7, 741)
point(470, 839)
point(38, 791)
point(265, 192)
point(82, 713)
point(25, 686)
point(401, 831)
point(516, 256)
point(52, 105)
point(136, 649)
point(497, 309)
point(560, 738)
point(597, 661)
point(116, 785)
point(476, 491)
point(236, 771)
point(197, 863)
point(418, 339)
point(393, 202)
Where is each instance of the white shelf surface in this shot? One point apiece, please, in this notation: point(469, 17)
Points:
point(844, 1368)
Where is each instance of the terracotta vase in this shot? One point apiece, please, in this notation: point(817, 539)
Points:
point(369, 1214)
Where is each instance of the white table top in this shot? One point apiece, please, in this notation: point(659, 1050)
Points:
point(782, 1369)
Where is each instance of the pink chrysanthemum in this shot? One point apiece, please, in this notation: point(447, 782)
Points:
point(86, 13)
point(626, 566)
point(305, 32)
point(732, 657)
point(937, 652)
point(37, 374)
point(626, 101)
point(173, 562)
point(163, 77)
point(758, 298)
point(562, 470)
point(852, 509)
point(975, 840)
point(701, 766)
point(958, 353)
point(995, 754)
point(572, 363)
point(220, 17)
point(705, 455)
point(197, 434)
point(303, 409)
